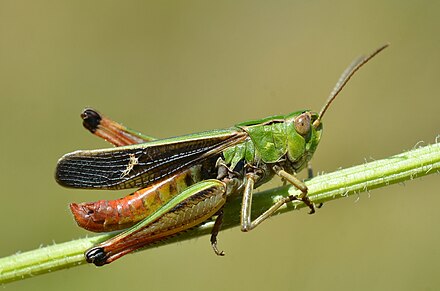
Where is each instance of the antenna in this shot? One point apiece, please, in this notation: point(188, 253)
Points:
point(343, 80)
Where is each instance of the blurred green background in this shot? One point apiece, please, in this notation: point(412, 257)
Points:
point(169, 68)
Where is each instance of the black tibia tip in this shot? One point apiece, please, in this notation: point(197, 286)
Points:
point(96, 256)
point(91, 119)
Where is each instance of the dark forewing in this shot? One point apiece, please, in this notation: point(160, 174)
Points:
point(143, 164)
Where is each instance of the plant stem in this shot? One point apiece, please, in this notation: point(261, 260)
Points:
point(406, 166)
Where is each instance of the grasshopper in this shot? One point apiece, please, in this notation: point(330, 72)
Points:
point(184, 181)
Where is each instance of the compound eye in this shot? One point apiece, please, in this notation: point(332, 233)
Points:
point(302, 123)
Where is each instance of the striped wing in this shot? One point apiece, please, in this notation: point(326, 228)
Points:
point(142, 164)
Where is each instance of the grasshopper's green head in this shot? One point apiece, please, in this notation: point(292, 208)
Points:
point(304, 128)
point(303, 136)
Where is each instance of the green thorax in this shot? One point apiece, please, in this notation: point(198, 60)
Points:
point(274, 139)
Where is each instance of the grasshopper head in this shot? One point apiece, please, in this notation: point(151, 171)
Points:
point(305, 127)
point(303, 137)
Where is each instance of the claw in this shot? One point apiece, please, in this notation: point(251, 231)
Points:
point(216, 250)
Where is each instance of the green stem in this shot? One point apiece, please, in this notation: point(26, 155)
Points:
point(406, 166)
